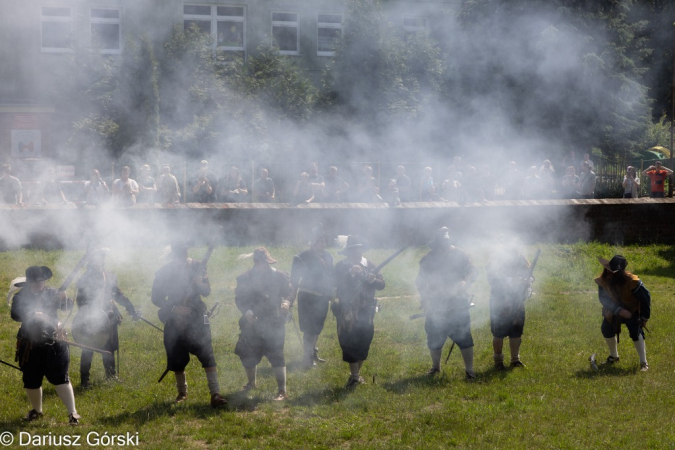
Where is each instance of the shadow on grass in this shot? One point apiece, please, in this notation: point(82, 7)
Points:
point(605, 370)
point(324, 396)
point(667, 272)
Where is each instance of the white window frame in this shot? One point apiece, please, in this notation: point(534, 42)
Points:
point(415, 28)
point(58, 19)
point(95, 20)
point(214, 18)
point(320, 25)
point(287, 24)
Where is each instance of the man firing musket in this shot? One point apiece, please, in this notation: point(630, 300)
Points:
point(356, 279)
point(445, 275)
point(510, 278)
point(97, 319)
point(178, 290)
point(38, 354)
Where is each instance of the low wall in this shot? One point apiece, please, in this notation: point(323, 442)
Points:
point(608, 220)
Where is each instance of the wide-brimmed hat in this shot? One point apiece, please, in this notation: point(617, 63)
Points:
point(262, 254)
point(441, 237)
point(35, 274)
point(615, 264)
point(354, 244)
point(317, 234)
point(181, 243)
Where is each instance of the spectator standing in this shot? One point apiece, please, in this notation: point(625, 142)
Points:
point(147, 186)
point(264, 188)
point(167, 186)
point(586, 159)
point(473, 186)
point(427, 185)
point(95, 189)
point(125, 189)
point(586, 181)
point(316, 182)
point(512, 181)
point(335, 187)
point(204, 184)
point(403, 184)
point(10, 187)
point(533, 184)
point(49, 190)
point(303, 190)
point(450, 188)
point(547, 175)
point(631, 183)
point(657, 174)
point(368, 190)
point(570, 183)
point(232, 188)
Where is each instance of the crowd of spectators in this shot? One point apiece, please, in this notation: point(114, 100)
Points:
point(462, 183)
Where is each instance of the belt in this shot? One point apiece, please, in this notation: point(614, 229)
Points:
point(181, 311)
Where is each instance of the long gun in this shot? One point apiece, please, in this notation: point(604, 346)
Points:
point(389, 259)
point(529, 276)
point(73, 274)
point(84, 347)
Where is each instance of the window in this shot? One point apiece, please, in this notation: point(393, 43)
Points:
point(226, 24)
point(105, 29)
point(413, 25)
point(56, 29)
point(285, 32)
point(329, 33)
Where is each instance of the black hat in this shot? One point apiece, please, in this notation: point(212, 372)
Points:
point(35, 274)
point(615, 264)
point(262, 254)
point(317, 234)
point(181, 243)
point(441, 237)
point(354, 243)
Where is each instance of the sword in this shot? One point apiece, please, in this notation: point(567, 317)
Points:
point(150, 323)
point(295, 328)
point(10, 365)
point(450, 352)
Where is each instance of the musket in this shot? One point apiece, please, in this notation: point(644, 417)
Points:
point(389, 259)
point(532, 266)
point(85, 347)
point(424, 314)
point(10, 365)
point(69, 279)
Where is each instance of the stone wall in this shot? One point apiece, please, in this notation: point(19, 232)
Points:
point(609, 220)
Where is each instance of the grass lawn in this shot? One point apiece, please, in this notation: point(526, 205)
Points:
point(555, 402)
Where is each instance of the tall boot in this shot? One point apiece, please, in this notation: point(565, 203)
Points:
point(467, 356)
point(514, 346)
point(85, 367)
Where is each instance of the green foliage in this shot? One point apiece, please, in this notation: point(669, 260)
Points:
point(378, 74)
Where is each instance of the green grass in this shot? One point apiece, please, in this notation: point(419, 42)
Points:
point(555, 402)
